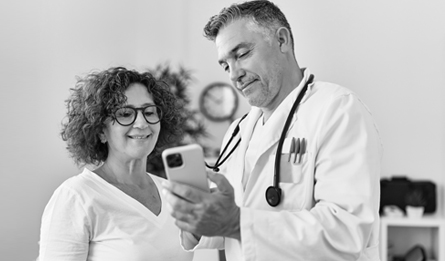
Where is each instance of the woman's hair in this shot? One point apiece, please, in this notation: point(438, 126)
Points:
point(262, 12)
point(94, 99)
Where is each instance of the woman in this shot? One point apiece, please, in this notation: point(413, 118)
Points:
point(116, 118)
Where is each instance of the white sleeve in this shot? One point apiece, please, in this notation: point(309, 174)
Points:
point(190, 243)
point(346, 195)
point(64, 233)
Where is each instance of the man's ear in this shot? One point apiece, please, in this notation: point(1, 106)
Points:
point(284, 39)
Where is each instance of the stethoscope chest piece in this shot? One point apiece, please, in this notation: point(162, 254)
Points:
point(273, 193)
point(273, 196)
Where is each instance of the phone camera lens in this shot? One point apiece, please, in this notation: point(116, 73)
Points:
point(174, 160)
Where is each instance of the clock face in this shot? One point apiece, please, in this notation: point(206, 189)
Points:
point(218, 102)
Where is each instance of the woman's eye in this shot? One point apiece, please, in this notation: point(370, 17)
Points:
point(150, 111)
point(124, 113)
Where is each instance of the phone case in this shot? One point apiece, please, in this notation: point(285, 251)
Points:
point(192, 171)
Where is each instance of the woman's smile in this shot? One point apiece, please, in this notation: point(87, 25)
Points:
point(138, 137)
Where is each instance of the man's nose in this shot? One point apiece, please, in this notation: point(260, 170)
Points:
point(236, 73)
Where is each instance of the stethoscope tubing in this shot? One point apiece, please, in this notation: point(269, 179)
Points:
point(297, 102)
point(273, 193)
point(234, 133)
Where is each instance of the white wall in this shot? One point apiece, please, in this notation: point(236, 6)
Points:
point(44, 44)
point(392, 53)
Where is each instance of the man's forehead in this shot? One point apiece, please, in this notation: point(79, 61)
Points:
point(239, 31)
point(232, 35)
point(254, 27)
point(229, 31)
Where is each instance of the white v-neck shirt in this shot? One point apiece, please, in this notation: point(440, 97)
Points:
point(89, 219)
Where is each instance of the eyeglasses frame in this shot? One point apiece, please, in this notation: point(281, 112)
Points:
point(142, 109)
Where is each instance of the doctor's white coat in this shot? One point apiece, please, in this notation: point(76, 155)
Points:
point(330, 201)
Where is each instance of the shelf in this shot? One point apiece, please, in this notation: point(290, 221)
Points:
point(425, 221)
point(431, 224)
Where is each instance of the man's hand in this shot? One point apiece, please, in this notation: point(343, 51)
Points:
point(201, 213)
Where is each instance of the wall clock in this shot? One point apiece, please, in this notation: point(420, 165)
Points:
point(218, 101)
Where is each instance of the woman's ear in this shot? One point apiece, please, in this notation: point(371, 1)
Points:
point(102, 138)
point(284, 39)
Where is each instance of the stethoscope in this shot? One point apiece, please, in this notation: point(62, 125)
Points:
point(273, 193)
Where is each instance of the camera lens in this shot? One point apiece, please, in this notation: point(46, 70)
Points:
point(174, 160)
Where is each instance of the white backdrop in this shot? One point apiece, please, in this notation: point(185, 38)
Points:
point(392, 53)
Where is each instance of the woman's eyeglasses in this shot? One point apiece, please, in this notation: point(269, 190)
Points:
point(126, 116)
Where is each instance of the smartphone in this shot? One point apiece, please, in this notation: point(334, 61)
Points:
point(185, 164)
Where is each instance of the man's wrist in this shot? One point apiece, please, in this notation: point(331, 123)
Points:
point(235, 231)
point(197, 237)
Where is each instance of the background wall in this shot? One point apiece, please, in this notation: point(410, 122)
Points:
point(392, 53)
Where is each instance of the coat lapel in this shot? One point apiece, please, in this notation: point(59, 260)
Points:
point(235, 169)
point(273, 129)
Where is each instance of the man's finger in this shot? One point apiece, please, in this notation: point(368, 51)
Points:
point(186, 192)
point(176, 203)
point(221, 182)
point(185, 226)
point(179, 208)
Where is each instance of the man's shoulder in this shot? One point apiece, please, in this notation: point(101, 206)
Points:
point(320, 88)
point(328, 93)
point(324, 95)
point(331, 94)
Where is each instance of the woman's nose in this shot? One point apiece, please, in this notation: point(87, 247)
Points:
point(140, 121)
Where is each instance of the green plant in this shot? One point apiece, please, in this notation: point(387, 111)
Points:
point(193, 127)
point(415, 198)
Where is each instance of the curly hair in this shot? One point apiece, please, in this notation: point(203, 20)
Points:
point(96, 96)
point(262, 12)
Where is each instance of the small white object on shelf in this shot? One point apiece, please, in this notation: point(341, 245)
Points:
point(393, 211)
point(414, 212)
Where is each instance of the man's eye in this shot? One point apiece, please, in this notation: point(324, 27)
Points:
point(241, 55)
point(225, 67)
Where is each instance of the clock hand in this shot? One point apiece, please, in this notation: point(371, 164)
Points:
point(218, 100)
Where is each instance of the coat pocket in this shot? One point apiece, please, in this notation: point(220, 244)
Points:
point(292, 182)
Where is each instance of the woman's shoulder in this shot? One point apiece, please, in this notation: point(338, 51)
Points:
point(77, 179)
point(78, 183)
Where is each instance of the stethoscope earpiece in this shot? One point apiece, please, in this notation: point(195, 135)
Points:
point(273, 196)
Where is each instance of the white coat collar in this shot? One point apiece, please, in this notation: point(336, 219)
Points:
point(274, 126)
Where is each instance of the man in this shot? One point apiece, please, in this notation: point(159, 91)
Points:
point(325, 204)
